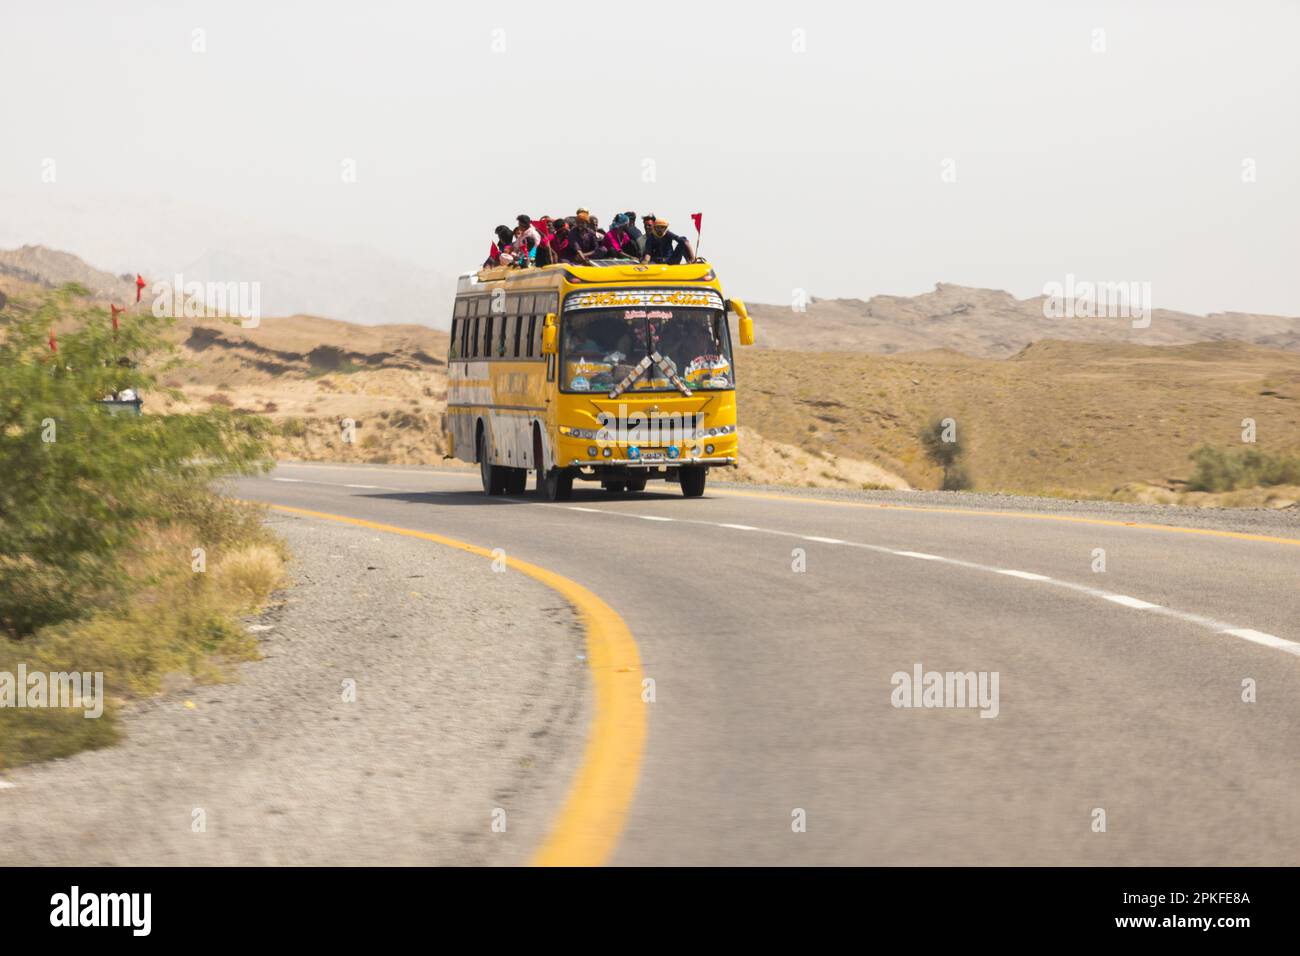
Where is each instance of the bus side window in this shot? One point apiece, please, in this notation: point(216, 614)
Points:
point(501, 338)
point(485, 344)
point(470, 347)
point(454, 340)
point(523, 307)
point(528, 344)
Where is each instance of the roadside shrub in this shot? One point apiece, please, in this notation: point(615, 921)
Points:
point(293, 428)
point(102, 516)
point(1220, 470)
point(79, 482)
point(944, 446)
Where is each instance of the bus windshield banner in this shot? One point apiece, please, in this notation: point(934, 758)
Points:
point(617, 298)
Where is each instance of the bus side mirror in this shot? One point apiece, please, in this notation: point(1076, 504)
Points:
point(550, 335)
point(745, 323)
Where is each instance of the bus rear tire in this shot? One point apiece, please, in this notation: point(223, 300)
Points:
point(637, 483)
point(516, 481)
point(692, 478)
point(492, 476)
point(555, 485)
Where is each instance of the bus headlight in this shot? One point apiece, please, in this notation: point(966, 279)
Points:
point(598, 434)
point(591, 451)
point(708, 449)
point(714, 432)
point(607, 452)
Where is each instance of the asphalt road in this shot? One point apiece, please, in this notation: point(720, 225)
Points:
point(1119, 692)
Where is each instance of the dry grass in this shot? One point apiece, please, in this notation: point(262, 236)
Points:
point(177, 621)
point(1076, 418)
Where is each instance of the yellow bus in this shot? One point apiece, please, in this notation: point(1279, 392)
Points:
point(616, 372)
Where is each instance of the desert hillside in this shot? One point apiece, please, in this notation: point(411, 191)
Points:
point(1058, 417)
point(986, 323)
point(1054, 417)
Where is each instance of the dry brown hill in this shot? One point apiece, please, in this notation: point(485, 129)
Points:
point(987, 323)
point(1053, 417)
point(1057, 417)
point(49, 267)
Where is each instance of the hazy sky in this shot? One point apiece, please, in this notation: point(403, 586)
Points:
point(821, 169)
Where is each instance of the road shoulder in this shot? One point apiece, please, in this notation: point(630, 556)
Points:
point(471, 706)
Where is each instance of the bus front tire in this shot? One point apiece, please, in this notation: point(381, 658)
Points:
point(692, 478)
point(637, 483)
point(555, 485)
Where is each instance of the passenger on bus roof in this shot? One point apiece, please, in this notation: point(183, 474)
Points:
point(546, 254)
point(583, 241)
point(664, 247)
point(637, 235)
point(503, 240)
point(522, 247)
point(560, 240)
point(530, 231)
point(618, 243)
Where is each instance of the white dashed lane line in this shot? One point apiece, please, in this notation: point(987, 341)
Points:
point(1132, 602)
point(1123, 600)
point(333, 484)
point(1026, 575)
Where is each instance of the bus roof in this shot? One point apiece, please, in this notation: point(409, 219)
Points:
point(604, 270)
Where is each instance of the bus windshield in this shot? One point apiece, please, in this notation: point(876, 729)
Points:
point(605, 348)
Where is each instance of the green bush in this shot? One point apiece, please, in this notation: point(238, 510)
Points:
point(78, 483)
point(1220, 470)
point(946, 454)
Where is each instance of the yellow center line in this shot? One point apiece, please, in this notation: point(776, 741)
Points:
point(588, 827)
point(1077, 519)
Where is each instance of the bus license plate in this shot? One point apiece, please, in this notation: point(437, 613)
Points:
point(653, 456)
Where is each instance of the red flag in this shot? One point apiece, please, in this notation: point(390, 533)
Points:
point(697, 217)
point(54, 344)
point(116, 310)
point(495, 253)
point(139, 286)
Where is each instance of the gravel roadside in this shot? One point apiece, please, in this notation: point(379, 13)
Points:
point(471, 697)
